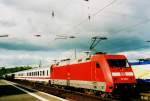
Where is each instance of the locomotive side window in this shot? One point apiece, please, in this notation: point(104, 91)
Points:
point(118, 63)
point(97, 65)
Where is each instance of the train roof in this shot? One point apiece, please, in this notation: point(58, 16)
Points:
point(35, 68)
point(88, 58)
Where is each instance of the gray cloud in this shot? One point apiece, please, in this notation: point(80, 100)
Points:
point(22, 46)
point(122, 44)
point(7, 23)
point(121, 23)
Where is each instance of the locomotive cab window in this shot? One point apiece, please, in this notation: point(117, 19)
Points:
point(117, 63)
point(97, 65)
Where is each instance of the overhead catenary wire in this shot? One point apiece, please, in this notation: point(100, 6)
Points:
point(99, 11)
point(90, 16)
point(102, 9)
point(134, 25)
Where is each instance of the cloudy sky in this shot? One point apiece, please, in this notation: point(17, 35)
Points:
point(126, 23)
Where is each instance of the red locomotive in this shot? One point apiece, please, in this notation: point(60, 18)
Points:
point(100, 72)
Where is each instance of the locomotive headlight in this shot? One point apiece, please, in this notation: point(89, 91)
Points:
point(129, 73)
point(115, 73)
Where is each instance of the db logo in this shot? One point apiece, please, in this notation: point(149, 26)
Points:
point(122, 74)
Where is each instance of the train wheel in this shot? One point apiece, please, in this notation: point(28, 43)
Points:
point(89, 92)
point(104, 95)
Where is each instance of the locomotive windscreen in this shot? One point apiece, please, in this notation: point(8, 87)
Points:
point(118, 63)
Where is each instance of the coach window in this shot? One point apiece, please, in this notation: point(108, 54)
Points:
point(40, 73)
point(47, 72)
point(43, 73)
point(80, 60)
point(87, 59)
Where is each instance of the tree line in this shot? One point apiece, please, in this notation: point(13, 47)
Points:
point(4, 70)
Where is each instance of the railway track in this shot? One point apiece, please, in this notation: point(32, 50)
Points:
point(63, 93)
point(76, 96)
